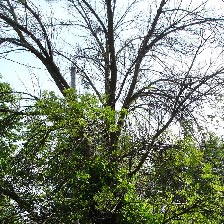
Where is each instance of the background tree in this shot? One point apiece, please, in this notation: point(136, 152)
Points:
point(146, 67)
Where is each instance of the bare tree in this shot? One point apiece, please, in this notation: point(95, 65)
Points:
point(150, 59)
point(158, 58)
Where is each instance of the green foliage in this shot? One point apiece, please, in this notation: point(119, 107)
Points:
point(10, 127)
point(184, 186)
point(57, 167)
point(64, 158)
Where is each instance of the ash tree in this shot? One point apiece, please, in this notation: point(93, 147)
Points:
point(109, 156)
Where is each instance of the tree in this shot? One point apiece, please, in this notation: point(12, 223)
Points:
point(183, 185)
point(150, 65)
point(64, 171)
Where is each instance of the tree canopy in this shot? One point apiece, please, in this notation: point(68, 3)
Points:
point(111, 155)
